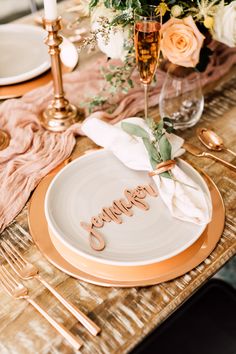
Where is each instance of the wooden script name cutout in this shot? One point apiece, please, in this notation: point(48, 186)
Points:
point(134, 197)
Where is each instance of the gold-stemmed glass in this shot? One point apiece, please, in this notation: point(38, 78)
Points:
point(147, 25)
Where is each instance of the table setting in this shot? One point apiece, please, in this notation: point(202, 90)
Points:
point(111, 215)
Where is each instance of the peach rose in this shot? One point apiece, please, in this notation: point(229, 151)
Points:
point(181, 41)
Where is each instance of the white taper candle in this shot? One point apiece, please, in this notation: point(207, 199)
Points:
point(50, 9)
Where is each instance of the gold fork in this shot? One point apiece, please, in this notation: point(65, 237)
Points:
point(18, 291)
point(194, 150)
point(26, 270)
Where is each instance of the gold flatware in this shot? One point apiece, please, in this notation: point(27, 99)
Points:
point(199, 153)
point(212, 140)
point(26, 270)
point(18, 291)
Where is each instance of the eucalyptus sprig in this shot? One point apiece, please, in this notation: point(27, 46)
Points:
point(117, 79)
point(158, 148)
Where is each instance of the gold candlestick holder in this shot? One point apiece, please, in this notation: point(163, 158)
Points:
point(60, 114)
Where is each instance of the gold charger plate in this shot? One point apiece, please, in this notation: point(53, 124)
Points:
point(17, 90)
point(161, 271)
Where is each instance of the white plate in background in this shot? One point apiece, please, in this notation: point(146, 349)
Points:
point(23, 53)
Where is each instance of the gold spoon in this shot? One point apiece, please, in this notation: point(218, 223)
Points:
point(212, 141)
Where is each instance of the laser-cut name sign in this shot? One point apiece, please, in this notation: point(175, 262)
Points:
point(133, 197)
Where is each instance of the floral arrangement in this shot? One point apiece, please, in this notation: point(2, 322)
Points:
point(188, 27)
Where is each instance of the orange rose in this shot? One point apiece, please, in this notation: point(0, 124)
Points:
point(181, 41)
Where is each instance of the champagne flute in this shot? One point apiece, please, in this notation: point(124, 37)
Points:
point(147, 25)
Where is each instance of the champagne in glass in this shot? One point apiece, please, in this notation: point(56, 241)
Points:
point(147, 45)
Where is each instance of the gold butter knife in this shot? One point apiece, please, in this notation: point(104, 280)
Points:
point(199, 153)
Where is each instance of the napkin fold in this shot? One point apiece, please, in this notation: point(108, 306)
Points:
point(183, 197)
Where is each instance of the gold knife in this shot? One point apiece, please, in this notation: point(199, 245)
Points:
point(199, 153)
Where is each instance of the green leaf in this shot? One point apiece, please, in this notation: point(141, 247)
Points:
point(157, 134)
point(152, 152)
point(150, 123)
point(165, 175)
point(122, 19)
point(160, 126)
point(107, 3)
point(134, 129)
point(93, 3)
point(165, 148)
point(130, 83)
point(109, 77)
point(158, 130)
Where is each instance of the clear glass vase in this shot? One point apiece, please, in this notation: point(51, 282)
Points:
point(181, 97)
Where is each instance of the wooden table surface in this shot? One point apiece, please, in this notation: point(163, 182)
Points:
point(125, 315)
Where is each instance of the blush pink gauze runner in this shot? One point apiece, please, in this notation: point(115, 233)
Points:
point(34, 152)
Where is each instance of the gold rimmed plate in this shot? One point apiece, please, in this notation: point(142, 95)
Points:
point(141, 276)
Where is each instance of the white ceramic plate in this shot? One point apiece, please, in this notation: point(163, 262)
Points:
point(80, 191)
point(23, 53)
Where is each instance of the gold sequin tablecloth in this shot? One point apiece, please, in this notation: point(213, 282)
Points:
point(125, 315)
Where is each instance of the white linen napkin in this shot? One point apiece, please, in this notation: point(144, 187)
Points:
point(184, 202)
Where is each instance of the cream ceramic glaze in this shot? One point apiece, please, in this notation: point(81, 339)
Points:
point(154, 273)
point(83, 187)
point(24, 54)
point(69, 54)
point(127, 273)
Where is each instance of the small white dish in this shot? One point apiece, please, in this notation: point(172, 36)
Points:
point(69, 54)
point(24, 54)
point(80, 191)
